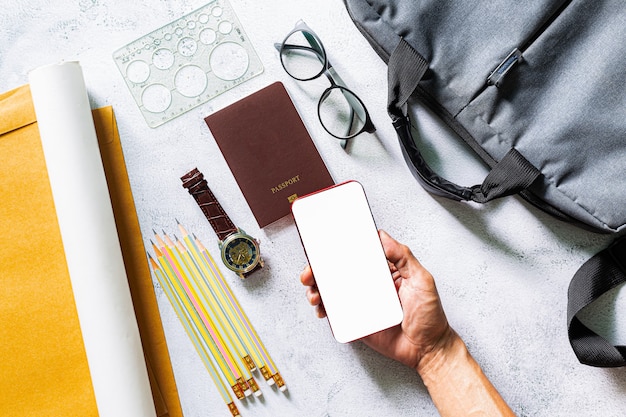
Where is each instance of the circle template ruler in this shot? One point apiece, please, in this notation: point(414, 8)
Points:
point(187, 62)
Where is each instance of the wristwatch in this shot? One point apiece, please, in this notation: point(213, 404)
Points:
point(240, 252)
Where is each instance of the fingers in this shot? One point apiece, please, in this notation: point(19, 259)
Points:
point(306, 277)
point(319, 311)
point(312, 294)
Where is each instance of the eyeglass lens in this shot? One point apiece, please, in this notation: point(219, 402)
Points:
point(302, 57)
point(341, 113)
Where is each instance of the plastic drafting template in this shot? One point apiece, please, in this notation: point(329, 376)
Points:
point(187, 62)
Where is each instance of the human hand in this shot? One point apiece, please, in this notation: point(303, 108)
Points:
point(424, 331)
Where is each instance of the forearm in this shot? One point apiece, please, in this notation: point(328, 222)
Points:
point(458, 386)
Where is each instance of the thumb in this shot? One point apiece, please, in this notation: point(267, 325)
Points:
point(395, 252)
point(400, 256)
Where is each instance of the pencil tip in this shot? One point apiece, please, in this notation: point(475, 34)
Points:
point(177, 222)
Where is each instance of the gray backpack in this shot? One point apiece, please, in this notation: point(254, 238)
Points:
point(538, 90)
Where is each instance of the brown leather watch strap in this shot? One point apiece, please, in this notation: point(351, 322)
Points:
point(197, 186)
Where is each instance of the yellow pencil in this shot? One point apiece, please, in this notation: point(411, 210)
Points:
point(215, 300)
point(212, 275)
point(269, 369)
point(193, 334)
point(210, 283)
point(184, 286)
point(210, 339)
point(211, 343)
point(209, 316)
point(207, 299)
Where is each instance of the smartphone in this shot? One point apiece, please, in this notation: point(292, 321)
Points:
point(342, 245)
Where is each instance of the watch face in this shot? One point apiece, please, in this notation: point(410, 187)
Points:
point(240, 253)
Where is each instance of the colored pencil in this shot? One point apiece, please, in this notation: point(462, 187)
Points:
point(215, 299)
point(208, 334)
point(267, 367)
point(233, 311)
point(206, 298)
point(193, 334)
point(211, 280)
point(207, 313)
point(212, 317)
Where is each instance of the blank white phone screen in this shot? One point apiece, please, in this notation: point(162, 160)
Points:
point(342, 245)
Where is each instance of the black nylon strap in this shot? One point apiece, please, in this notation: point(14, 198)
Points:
point(603, 272)
point(405, 69)
point(509, 176)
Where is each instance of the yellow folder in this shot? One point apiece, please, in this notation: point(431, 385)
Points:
point(44, 370)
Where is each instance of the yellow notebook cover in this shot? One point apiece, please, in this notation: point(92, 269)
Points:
point(44, 368)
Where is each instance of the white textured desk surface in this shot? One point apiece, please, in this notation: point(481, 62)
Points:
point(502, 269)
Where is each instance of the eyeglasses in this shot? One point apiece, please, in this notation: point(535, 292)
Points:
point(340, 111)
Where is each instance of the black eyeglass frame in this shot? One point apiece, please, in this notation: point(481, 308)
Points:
point(335, 81)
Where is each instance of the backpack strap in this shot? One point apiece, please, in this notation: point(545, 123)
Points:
point(603, 272)
point(511, 175)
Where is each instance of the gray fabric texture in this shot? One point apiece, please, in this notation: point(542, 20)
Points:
point(563, 106)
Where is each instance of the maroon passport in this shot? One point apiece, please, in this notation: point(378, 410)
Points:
point(269, 151)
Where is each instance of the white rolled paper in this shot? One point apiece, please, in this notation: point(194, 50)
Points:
point(90, 240)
